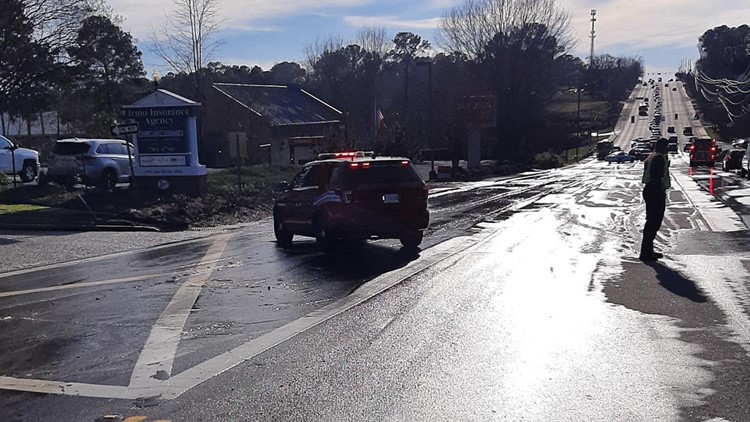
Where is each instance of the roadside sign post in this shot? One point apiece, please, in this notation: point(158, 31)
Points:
point(120, 131)
point(166, 144)
point(477, 112)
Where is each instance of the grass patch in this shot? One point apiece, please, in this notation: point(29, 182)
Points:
point(13, 208)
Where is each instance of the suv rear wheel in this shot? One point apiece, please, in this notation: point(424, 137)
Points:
point(412, 239)
point(323, 237)
point(108, 181)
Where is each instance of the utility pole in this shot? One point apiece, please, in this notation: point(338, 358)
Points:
point(593, 35)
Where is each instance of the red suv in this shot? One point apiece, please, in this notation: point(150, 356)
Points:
point(703, 151)
point(353, 196)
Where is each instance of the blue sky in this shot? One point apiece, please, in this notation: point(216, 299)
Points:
point(263, 32)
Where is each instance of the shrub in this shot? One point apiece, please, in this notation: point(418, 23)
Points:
point(546, 161)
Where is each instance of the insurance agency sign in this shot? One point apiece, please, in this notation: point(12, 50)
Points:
point(166, 145)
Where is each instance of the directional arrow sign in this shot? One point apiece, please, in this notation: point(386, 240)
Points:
point(124, 129)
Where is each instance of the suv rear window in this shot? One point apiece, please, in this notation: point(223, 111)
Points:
point(380, 172)
point(70, 148)
point(703, 143)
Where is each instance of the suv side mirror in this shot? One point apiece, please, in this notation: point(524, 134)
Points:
point(282, 186)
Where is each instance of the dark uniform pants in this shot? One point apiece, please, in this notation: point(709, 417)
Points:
point(656, 203)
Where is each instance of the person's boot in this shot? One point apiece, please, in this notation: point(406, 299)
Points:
point(648, 256)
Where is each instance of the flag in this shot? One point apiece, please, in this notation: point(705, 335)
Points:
point(380, 118)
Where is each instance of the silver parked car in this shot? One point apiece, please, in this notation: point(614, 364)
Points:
point(96, 162)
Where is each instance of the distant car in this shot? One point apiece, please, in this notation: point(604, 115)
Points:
point(619, 157)
point(674, 89)
point(687, 131)
point(21, 161)
point(640, 153)
point(670, 129)
point(96, 162)
point(635, 141)
point(740, 144)
point(352, 195)
point(687, 146)
point(732, 159)
point(672, 145)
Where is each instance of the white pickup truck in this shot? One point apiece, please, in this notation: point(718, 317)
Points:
point(26, 160)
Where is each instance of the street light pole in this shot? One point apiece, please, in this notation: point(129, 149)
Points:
point(431, 134)
point(432, 123)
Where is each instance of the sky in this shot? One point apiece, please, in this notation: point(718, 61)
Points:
point(664, 33)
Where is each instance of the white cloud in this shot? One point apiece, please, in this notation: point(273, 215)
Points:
point(391, 22)
point(141, 15)
point(650, 24)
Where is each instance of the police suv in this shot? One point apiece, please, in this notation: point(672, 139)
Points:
point(353, 195)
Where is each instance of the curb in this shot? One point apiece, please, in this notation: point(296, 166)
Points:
point(78, 228)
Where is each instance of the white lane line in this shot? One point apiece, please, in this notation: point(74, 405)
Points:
point(102, 257)
point(157, 357)
point(82, 285)
point(190, 378)
point(66, 388)
point(181, 383)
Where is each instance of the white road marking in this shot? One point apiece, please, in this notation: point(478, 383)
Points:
point(65, 388)
point(99, 258)
point(161, 346)
point(82, 285)
point(190, 378)
point(157, 356)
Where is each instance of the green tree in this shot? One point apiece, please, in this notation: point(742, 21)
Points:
point(723, 78)
point(724, 52)
point(520, 67)
point(612, 78)
point(107, 59)
point(26, 65)
point(347, 78)
point(407, 48)
point(106, 70)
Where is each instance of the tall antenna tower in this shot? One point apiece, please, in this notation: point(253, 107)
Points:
point(593, 35)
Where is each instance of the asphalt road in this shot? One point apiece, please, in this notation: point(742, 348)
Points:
point(525, 302)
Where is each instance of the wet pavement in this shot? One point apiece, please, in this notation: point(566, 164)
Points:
point(525, 302)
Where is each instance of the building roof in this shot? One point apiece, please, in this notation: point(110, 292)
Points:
point(162, 98)
point(282, 105)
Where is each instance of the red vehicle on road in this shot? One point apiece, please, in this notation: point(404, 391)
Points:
point(703, 152)
point(353, 195)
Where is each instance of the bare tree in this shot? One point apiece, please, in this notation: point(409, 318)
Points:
point(56, 22)
point(313, 51)
point(374, 40)
point(468, 28)
point(186, 41)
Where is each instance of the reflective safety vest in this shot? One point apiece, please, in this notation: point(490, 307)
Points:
point(666, 183)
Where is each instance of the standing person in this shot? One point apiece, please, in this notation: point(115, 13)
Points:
point(657, 180)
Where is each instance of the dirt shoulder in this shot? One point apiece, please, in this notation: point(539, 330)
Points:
point(223, 204)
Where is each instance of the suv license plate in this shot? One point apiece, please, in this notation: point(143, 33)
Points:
point(390, 198)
